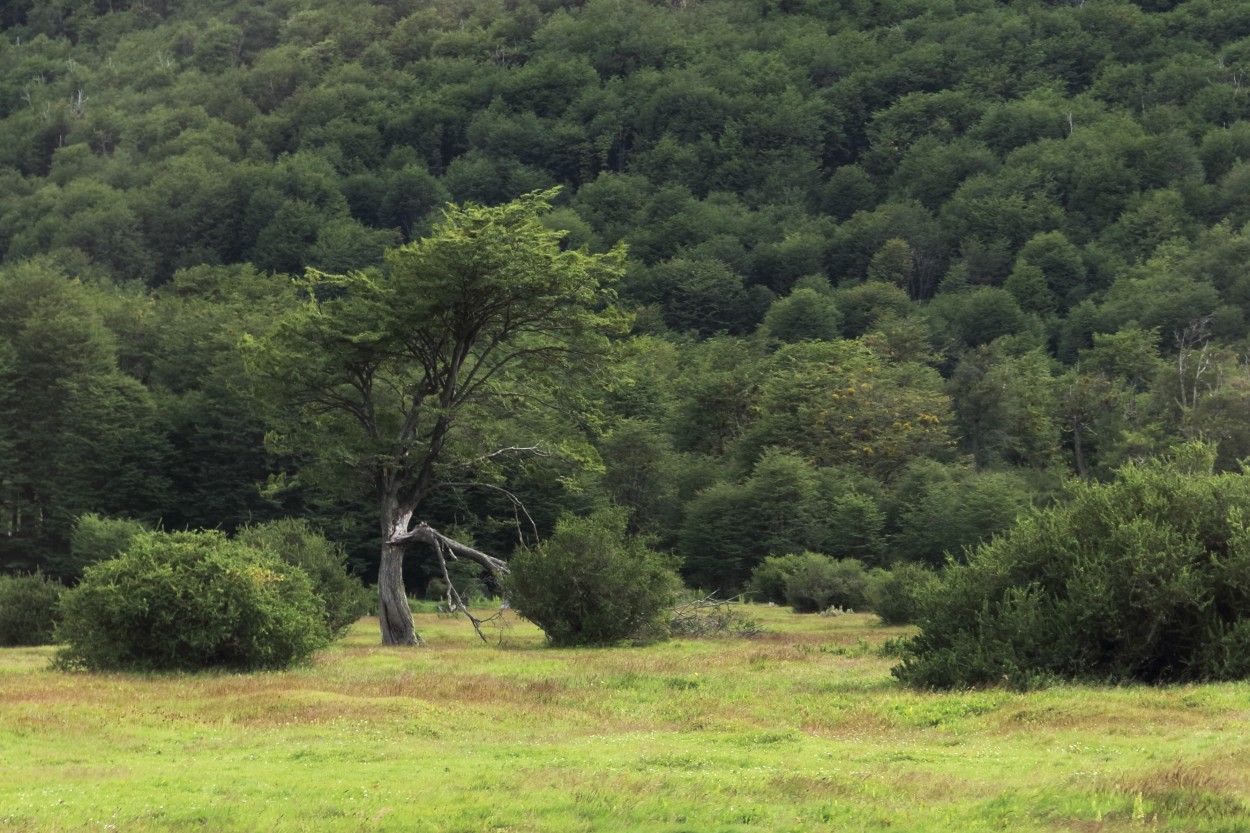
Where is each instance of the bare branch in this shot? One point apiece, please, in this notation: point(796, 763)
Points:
point(426, 534)
point(517, 505)
point(455, 604)
point(536, 450)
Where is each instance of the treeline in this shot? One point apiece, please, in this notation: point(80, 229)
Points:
point(899, 269)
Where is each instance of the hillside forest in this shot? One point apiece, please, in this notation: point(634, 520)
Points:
point(894, 271)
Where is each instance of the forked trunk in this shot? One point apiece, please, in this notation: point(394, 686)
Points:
point(394, 614)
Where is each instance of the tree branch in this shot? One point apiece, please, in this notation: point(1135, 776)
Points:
point(426, 534)
point(517, 505)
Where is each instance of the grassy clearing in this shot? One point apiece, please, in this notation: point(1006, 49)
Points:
point(799, 729)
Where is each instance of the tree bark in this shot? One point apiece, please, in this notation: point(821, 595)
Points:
point(394, 614)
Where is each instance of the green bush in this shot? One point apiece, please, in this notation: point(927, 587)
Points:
point(768, 579)
point(1145, 578)
point(94, 538)
point(809, 582)
point(190, 600)
point(894, 594)
point(821, 582)
point(345, 599)
point(592, 584)
point(28, 609)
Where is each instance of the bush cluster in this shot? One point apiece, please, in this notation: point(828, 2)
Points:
point(1144, 578)
point(28, 609)
point(810, 582)
point(592, 584)
point(191, 600)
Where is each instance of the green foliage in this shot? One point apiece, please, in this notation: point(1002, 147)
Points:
point(810, 582)
point(841, 403)
point(190, 600)
point(895, 594)
point(905, 174)
point(768, 579)
point(937, 511)
point(343, 596)
point(592, 584)
point(819, 583)
point(79, 435)
point(95, 538)
point(28, 609)
point(1144, 578)
point(803, 315)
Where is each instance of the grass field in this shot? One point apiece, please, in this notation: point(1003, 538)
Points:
point(799, 729)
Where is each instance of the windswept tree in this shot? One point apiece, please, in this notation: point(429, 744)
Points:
point(401, 377)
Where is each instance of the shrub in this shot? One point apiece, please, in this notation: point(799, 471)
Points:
point(1145, 578)
point(894, 594)
point(809, 582)
point(189, 600)
point(821, 582)
point(591, 584)
point(28, 609)
point(344, 598)
point(768, 579)
point(94, 538)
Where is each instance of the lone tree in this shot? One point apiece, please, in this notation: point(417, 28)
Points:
point(391, 376)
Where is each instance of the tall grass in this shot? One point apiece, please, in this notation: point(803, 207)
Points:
point(799, 729)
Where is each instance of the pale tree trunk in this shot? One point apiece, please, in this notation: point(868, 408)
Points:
point(1077, 449)
point(394, 613)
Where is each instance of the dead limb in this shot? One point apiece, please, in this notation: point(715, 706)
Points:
point(455, 604)
point(443, 547)
point(426, 534)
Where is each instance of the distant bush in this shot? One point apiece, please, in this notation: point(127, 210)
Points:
point(821, 583)
point(894, 594)
point(94, 538)
point(344, 598)
point(768, 579)
point(1145, 578)
point(592, 584)
point(809, 582)
point(190, 600)
point(28, 609)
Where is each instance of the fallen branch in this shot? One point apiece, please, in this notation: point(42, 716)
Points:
point(710, 616)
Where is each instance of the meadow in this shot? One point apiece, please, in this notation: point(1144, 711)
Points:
point(801, 728)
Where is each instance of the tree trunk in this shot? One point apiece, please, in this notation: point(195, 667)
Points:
point(1077, 450)
point(394, 614)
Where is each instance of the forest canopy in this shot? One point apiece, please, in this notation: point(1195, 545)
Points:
point(897, 270)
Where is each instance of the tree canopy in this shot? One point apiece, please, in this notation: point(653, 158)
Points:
point(896, 271)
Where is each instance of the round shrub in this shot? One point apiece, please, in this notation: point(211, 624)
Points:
point(28, 609)
point(190, 600)
point(894, 594)
point(1144, 578)
point(344, 598)
point(820, 582)
point(768, 579)
point(591, 584)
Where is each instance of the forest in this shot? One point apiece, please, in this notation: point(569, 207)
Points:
point(890, 273)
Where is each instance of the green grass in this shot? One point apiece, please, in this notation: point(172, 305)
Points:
point(799, 729)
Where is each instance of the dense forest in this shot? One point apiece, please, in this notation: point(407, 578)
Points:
point(897, 270)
